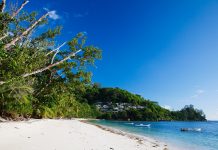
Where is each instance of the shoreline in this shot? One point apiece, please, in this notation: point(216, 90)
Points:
point(139, 138)
point(78, 134)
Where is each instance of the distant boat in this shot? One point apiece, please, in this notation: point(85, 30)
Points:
point(191, 129)
point(131, 123)
point(143, 125)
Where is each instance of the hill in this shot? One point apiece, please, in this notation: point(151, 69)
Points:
point(119, 104)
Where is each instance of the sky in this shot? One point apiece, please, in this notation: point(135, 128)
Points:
point(166, 51)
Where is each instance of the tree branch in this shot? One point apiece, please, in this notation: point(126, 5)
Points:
point(25, 32)
point(4, 36)
point(52, 65)
point(14, 14)
point(21, 7)
point(56, 49)
point(52, 60)
point(48, 67)
point(2, 7)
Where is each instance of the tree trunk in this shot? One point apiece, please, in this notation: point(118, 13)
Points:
point(2, 7)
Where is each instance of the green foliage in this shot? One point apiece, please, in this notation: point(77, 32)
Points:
point(150, 111)
point(15, 99)
point(113, 95)
point(5, 19)
point(45, 94)
point(188, 113)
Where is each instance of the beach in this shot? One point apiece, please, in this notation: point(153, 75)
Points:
point(75, 134)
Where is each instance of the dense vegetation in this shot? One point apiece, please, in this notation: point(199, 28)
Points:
point(156, 114)
point(148, 110)
point(188, 113)
point(39, 78)
point(43, 79)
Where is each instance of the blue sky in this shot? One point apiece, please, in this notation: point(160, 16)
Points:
point(166, 51)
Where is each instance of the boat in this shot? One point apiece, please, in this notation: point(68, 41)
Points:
point(143, 125)
point(191, 129)
point(131, 123)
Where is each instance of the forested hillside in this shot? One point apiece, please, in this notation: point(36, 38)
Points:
point(118, 104)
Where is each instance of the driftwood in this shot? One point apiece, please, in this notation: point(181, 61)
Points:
point(2, 119)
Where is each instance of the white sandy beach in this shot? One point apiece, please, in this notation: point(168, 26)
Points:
point(69, 135)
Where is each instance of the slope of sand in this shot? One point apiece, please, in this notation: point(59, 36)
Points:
point(69, 135)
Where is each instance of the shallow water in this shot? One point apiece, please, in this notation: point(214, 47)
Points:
point(170, 133)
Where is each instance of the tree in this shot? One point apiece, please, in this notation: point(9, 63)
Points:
point(33, 68)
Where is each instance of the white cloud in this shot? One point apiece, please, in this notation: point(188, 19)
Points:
point(53, 15)
point(46, 9)
point(198, 93)
point(167, 107)
point(79, 15)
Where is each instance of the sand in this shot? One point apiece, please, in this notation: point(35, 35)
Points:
point(72, 134)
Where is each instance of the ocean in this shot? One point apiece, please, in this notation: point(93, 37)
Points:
point(205, 138)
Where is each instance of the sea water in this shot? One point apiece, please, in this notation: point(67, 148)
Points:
point(170, 133)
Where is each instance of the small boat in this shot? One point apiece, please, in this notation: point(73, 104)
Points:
point(143, 125)
point(198, 129)
point(191, 129)
point(131, 123)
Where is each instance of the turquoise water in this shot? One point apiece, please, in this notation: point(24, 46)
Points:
point(170, 133)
